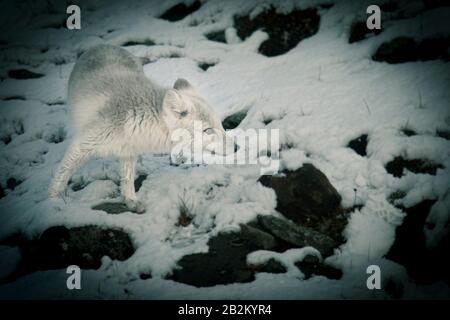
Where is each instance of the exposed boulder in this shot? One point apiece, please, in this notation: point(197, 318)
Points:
point(298, 235)
point(180, 11)
point(359, 31)
point(424, 265)
point(406, 49)
point(285, 30)
point(60, 247)
point(304, 195)
point(226, 260)
point(397, 166)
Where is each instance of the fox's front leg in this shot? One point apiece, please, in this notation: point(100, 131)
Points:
point(128, 169)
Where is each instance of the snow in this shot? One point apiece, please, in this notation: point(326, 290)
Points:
point(321, 94)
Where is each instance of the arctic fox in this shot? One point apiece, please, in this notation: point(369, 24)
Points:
point(118, 111)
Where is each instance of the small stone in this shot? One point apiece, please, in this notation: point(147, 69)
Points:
point(234, 120)
point(21, 74)
point(311, 266)
point(270, 266)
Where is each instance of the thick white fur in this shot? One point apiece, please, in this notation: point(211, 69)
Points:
point(117, 110)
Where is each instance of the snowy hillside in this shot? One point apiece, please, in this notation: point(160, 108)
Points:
point(372, 115)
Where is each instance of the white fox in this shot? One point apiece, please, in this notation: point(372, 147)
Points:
point(118, 111)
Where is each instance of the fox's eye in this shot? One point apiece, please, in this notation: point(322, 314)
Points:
point(208, 131)
point(183, 114)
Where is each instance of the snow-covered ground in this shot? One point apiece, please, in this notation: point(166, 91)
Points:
point(321, 94)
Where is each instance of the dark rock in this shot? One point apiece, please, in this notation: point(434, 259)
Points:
point(14, 240)
point(304, 195)
point(327, 5)
point(432, 4)
point(267, 121)
point(351, 209)
point(259, 237)
point(298, 235)
point(423, 265)
point(226, 260)
point(145, 276)
point(285, 30)
point(218, 36)
point(12, 183)
point(400, 49)
point(434, 48)
point(145, 60)
point(2, 192)
point(180, 11)
point(112, 207)
point(58, 136)
point(359, 145)
point(205, 66)
point(83, 246)
point(59, 24)
point(234, 120)
point(408, 132)
point(146, 42)
point(23, 74)
point(6, 139)
point(59, 247)
point(311, 266)
point(405, 49)
point(394, 288)
point(173, 55)
point(396, 167)
point(76, 186)
point(359, 31)
point(56, 103)
point(396, 195)
point(443, 134)
point(138, 182)
point(270, 266)
point(389, 6)
point(14, 98)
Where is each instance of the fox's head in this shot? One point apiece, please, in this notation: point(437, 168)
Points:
point(184, 108)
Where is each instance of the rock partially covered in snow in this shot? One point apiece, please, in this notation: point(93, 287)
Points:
point(60, 247)
point(311, 266)
point(424, 265)
point(304, 195)
point(226, 260)
point(298, 235)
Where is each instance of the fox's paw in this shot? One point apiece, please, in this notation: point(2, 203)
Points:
point(135, 205)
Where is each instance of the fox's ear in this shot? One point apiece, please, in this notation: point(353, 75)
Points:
point(173, 102)
point(182, 84)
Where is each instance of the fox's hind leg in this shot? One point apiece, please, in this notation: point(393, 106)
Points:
point(81, 148)
point(73, 158)
point(128, 169)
